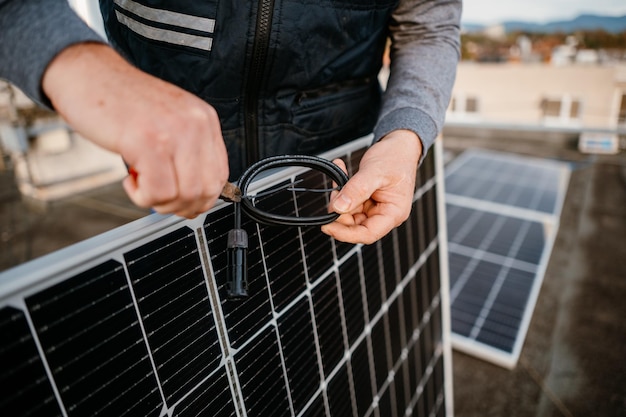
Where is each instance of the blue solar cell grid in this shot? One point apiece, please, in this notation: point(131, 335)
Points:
point(509, 181)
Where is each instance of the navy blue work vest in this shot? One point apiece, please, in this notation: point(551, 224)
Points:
point(285, 76)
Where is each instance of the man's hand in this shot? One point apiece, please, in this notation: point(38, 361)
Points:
point(170, 137)
point(379, 196)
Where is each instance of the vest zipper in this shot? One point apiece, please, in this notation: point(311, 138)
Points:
point(260, 48)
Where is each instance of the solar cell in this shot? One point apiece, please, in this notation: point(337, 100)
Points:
point(502, 216)
point(21, 362)
point(137, 321)
point(299, 350)
point(88, 329)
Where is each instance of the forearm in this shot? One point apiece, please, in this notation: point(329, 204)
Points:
point(424, 56)
point(91, 87)
point(171, 137)
point(32, 34)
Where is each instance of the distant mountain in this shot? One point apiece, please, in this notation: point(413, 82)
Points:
point(612, 24)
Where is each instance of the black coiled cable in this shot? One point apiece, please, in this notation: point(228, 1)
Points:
point(313, 162)
point(238, 238)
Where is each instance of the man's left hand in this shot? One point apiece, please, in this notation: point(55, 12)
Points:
point(379, 196)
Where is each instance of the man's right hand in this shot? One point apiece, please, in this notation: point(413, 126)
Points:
point(169, 136)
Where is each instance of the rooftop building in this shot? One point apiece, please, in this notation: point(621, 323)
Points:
point(574, 96)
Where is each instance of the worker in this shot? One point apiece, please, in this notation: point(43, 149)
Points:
point(190, 93)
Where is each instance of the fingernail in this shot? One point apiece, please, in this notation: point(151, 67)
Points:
point(342, 203)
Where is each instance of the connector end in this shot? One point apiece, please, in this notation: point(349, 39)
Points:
point(237, 268)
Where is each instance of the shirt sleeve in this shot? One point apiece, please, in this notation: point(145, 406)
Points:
point(425, 50)
point(32, 33)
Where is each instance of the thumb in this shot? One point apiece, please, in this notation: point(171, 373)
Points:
point(356, 192)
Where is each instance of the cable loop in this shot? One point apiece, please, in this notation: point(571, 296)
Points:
point(313, 162)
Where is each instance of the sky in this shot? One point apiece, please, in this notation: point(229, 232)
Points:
point(538, 11)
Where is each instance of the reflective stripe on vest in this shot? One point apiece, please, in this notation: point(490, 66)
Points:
point(170, 18)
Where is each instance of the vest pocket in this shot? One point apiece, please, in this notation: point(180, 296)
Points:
point(332, 107)
point(335, 112)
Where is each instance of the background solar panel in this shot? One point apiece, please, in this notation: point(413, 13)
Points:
point(136, 321)
point(508, 179)
point(502, 217)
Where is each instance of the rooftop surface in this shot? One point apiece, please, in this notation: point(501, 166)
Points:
point(572, 361)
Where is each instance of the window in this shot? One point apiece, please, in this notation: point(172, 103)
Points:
point(621, 117)
point(463, 107)
point(574, 109)
point(561, 110)
point(471, 105)
point(551, 108)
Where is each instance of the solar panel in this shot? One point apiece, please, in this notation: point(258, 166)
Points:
point(137, 322)
point(502, 218)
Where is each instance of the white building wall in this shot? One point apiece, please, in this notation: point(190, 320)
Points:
point(513, 93)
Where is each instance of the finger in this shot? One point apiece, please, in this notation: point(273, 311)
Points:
point(200, 166)
point(333, 194)
point(215, 166)
point(191, 210)
point(356, 192)
point(367, 232)
point(351, 219)
point(188, 209)
point(194, 193)
point(130, 187)
point(155, 182)
point(341, 164)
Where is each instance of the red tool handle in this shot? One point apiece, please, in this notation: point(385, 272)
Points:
point(133, 173)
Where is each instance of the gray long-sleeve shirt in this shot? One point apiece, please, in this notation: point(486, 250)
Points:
point(425, 51)
point(32, 33)
point(424, 55)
